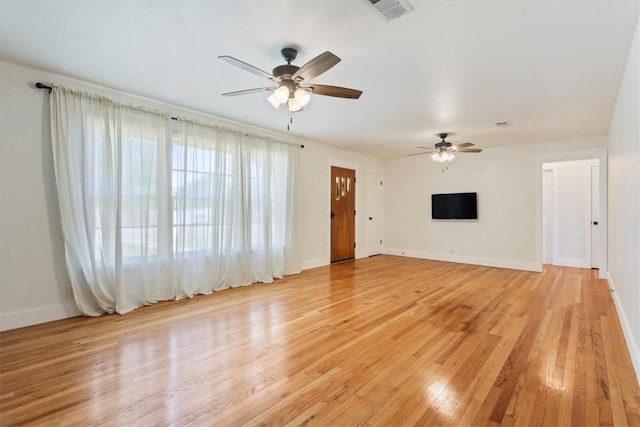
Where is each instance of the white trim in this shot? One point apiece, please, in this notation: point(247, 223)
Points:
point(314, 263)
point(627, 330)
point(378, 171)
point(362, 254)
point(551, 193)
point(586, 180)
point(36, 316)
point(604, 220)
point(572, 262)
point(599, 154)
point(487, 262)
point(569, 156)
point(321, 262)
point(590, 219)
point(555, 212)
point(340, 163)
point(587, 211)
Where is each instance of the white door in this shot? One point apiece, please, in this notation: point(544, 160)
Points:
point(374, 213)
point(595, 216)
point(547, 216)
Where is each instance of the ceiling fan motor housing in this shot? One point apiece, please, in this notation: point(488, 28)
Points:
point(285, 71)
point(443, 145)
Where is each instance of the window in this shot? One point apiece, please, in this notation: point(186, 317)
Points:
point(201, 196)
point(154, 209)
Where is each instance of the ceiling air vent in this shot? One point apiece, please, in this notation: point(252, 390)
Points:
point(390, 9)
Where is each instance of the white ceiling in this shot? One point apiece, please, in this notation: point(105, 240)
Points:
point(552, 68)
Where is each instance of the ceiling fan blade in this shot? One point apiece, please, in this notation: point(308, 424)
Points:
point(315, 67)
point(469, 150)
point(426, 148)
point(248, 91)
point(337, 91)
point(417, 154)
point(464, 145)
point(247, 67)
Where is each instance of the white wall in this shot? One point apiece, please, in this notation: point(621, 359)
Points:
point(624, 202)
point(508, 180)
point(316, 161)
point(33, 274)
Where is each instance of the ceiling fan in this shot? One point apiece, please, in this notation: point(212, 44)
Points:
point(445, 151)
point(293, 87)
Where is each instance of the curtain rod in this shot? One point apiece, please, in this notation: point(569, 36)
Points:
point(40, 85)
point(43, 86)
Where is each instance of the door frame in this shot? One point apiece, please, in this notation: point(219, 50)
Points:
point(553, 193)
point(380, 172)
point(585, 261)
point(591, 210)
point(347, 165)
point(599, 154)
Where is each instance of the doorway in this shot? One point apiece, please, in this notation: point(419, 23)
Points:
point(343, 200)
point(570, 213)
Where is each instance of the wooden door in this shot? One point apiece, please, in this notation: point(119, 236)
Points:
point(343, 211)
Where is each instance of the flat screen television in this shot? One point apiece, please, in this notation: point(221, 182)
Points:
point(454, 206)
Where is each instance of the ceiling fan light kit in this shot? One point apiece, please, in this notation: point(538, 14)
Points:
point(293, 88)
point(442, 156)
point(282, 94)
point(294, 105)
point(302, 95)
point(445, 151)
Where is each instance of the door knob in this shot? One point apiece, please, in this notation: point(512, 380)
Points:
point(595, 222)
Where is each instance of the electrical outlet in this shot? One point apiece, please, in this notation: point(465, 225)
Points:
point(69, 291)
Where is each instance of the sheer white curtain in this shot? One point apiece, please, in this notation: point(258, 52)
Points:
point(153, 209)
point(234, 213)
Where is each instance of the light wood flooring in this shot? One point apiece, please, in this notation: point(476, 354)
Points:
point(380, 341)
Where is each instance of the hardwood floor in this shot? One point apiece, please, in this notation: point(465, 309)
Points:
point(379, 341)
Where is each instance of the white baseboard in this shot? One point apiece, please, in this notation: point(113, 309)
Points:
point(632, 345)
point(313, 263)
point(49, 313)
point(321, 262)
point(487, 262)
point(570, 262)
